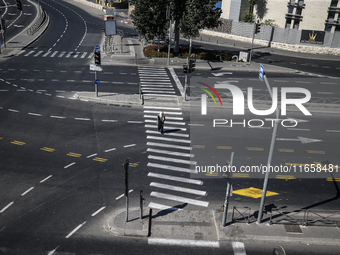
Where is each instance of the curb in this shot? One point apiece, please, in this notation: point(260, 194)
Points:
point(118, 231)
point(294, 239)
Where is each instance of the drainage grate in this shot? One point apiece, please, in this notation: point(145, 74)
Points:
point(292, 228)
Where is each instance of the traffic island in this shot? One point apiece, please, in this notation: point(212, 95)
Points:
point(110, 98)
point(135, 226)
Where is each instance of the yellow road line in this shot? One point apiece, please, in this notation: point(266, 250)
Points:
point(254, 149)
point(331, 179)
point(212, 174)
point(240, 175)
point(285, 177)
point(18, 142)
point(100, 159)
point(72, 154)
point(286, 150)
point(316, 152)
point(47, 149)
point(223, 147)
point(198, 146)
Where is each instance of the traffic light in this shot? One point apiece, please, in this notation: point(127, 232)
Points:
point(97, 57)
point(185, 68)
point(257, 28)
point(192, 65)
point(19, 6)
point(3, 25)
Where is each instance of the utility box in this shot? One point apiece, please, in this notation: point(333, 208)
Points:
point(244, 56)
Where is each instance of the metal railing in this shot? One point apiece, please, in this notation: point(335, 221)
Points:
point(41, 17)
point(305, 217)
point(239, 216)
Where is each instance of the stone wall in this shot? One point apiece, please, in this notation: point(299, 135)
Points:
point(277, 45)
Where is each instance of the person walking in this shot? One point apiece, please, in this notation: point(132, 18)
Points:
point(160, 122)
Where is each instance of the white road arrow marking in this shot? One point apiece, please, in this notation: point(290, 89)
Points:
point(221, 74)
point(299, 139)
point(298, 120)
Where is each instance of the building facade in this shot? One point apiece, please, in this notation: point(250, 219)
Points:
point(294, 14)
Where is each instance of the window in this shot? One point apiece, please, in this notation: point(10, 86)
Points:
point(334, 3)
point(298, 11)
point(288, 23)
point(296, 24)
point(290, 9)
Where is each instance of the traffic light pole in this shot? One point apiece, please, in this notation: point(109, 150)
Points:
point(252, 42)
point(95, 84)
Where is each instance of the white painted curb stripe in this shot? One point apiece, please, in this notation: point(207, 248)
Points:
point(177, 81)
point(182, 242)
point(177, 188)
point(239, 248)
point(175, 178)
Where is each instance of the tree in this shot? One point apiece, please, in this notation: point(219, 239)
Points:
point(248, 17)
point(149, 18)
point(198, 14)
point(269, 22)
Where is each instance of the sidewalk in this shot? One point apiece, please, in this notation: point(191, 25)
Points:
point(205, 228)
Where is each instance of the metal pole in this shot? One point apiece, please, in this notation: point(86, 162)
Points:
point(185, 86)
point(270, 156)
point(95, 84)
point(169, 46)
point(141, 204)
point(126, 164)
point(226, 202)
point(252, 42)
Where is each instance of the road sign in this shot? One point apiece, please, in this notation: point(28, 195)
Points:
point(95, 68)
point(97, 47)
point(2, 31)
point(96, 81)
point(261, 72)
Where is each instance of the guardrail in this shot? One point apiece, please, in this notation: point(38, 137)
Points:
point(39, 21)
point(306, 217)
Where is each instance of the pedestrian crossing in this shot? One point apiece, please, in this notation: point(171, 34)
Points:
point(169, 161)
point(55, 54)
point(156, 82)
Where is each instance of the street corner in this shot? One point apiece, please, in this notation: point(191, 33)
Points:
point(109, 98)
point(183, 225)
point(120, 223)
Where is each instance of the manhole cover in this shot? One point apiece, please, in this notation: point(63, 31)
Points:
point(291, 228)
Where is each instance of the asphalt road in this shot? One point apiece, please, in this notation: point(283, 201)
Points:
point(62, 159)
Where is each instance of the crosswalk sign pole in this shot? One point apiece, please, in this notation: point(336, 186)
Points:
point(226, 201)
point(126, 193)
